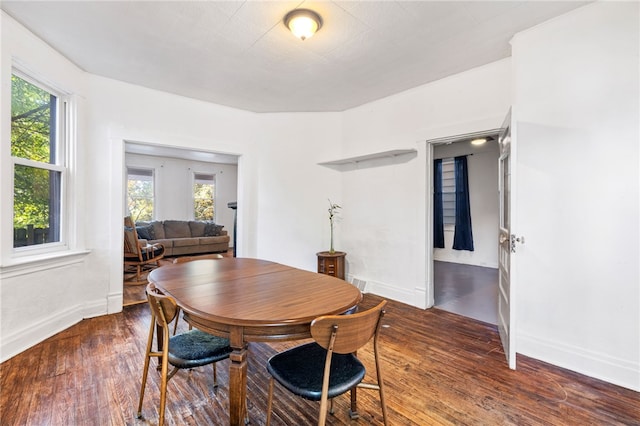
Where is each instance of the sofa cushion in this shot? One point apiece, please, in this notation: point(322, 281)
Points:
point(166, 243)
point(212, 230)
point(183, 242)
point(176, 229)
point(197, 228)
point(214, 240)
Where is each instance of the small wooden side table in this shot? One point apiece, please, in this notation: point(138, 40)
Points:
point(331, 263)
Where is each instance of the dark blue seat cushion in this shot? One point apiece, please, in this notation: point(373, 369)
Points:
point(300, 370)
point(153, 253)
point(195, 348)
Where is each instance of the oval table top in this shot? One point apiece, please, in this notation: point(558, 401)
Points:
point(253, 292)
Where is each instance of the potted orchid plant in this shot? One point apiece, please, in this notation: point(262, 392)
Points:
point(333, 210)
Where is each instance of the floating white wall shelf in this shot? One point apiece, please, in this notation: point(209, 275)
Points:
point(368, 157)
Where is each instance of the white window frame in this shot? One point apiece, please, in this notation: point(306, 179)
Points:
point(194, 180)
point(65, 141)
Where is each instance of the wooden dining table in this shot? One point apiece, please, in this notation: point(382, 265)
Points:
point(251, 300)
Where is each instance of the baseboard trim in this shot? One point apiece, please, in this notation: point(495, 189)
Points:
point(414, 298)
point(597, 365)
point(114, 302)
point(21, 340)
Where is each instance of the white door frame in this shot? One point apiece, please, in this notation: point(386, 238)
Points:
point(430, 143)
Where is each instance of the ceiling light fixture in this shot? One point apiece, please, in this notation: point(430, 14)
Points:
point(303, 23)
point(479, 141)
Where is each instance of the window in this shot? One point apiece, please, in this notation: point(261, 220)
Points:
point(448, 192)
point(140, 194)
point(203, 196)
point(38, 140)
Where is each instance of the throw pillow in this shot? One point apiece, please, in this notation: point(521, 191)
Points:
point(146, 232)
point(212, 230)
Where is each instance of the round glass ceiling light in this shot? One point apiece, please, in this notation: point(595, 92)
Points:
point(303, 23)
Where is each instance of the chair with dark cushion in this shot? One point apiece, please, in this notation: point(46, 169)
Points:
point(138, 257)
point(329, 367)
point(193, 348)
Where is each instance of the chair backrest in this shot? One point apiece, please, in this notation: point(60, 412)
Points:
point(131, 245)
point(352, 331)
point(163, 308)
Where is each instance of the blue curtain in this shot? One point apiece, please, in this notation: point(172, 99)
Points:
point(438, 226)
point(463, 237)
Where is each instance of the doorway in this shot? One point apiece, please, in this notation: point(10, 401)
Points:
point(465, 282)
point(173, 171)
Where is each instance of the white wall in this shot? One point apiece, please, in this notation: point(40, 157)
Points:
point(385, 215)
point(577, 121)
point(39, 297)
point(173, 182)
point(482, 163)
point(292, 187)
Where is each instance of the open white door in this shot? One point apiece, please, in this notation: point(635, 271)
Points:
point(506, 245)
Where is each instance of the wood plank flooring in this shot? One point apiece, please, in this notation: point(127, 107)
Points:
point(440, 369)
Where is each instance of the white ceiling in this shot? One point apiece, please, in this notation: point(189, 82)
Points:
point(239, 53)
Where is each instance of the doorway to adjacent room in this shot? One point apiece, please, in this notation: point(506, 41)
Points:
point(465, 280)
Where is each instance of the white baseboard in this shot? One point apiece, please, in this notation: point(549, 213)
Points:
point(95, 309)
point(20, 340)
point(597, 365)
point(415, 297)
point(114, 302)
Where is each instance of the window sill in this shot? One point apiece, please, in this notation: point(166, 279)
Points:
point(26, 265)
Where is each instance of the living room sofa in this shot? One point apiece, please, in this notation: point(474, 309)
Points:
point(180, 237)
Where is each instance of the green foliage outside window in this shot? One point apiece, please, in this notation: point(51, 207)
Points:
point(32, 193)
point(36, 189)
point(140, 198)
point(203, 201)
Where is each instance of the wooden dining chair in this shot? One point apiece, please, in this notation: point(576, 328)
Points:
point(137, 256)
point(191, 349)
point(329, 367)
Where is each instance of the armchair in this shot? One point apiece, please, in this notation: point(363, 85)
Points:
point(137, 258)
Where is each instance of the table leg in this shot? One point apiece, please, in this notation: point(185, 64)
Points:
point(237, 379)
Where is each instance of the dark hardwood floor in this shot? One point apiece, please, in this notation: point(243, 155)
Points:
point(440, 369)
